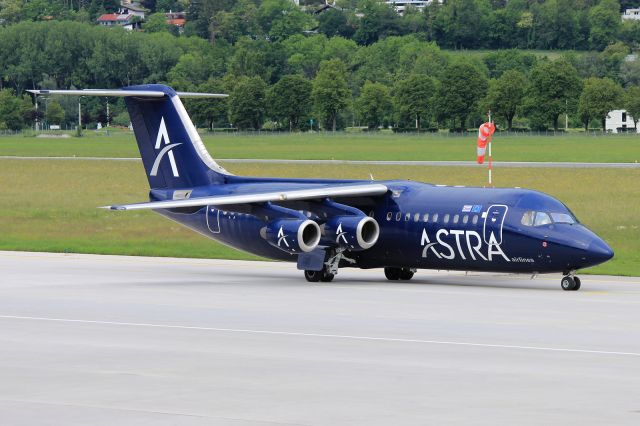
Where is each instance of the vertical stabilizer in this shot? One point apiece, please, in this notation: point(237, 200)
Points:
point(171, 149)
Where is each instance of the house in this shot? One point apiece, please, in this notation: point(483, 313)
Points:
point(130, 16)
point(619, 121)
point(177, 19)
point(633, 14)
point(401, 5)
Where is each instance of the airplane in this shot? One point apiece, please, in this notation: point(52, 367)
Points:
point(327, 224)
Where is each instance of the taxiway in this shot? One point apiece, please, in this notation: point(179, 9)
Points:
point(124, 340)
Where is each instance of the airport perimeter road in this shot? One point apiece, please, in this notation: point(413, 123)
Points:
point(509, 164)
point(109, 340)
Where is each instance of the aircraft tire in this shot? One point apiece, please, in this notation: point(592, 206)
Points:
point(313, 276)
point(406, 274)
point(568, 283)
point(392, 274)
point(577, 281)
point(326, 277)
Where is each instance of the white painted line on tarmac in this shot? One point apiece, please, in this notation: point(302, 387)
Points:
point(318, 335)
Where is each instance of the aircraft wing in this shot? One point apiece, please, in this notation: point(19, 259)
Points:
point(334, 190)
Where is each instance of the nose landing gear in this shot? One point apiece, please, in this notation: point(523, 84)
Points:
point(570, 282)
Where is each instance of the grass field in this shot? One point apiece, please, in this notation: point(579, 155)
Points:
point(50, 205)
point(578, 147)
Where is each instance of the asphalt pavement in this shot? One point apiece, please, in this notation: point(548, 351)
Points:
point(106, 340)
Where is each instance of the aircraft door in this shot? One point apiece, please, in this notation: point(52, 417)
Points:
point(493, 222)
point(213, 219)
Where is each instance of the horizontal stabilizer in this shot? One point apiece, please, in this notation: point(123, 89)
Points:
point(125, 93)
point(340, 190)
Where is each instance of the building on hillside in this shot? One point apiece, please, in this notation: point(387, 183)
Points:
point(130, 16)
point(401, 5)
point(177, 19)
point(618, 121)
point(633, 14)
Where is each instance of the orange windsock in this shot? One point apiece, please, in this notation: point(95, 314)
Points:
point(485, 132)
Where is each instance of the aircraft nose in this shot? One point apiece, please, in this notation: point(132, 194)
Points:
point(598, 251)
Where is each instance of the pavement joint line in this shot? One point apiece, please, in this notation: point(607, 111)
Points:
point(321, 335)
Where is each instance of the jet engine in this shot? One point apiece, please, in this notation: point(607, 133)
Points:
point(292, 235)
point(354, 232)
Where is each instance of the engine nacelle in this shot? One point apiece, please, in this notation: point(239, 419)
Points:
point(352, 232)
point(292, 235)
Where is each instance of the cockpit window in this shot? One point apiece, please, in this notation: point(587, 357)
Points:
point(527, 218)
point(531, 218)
point(562, 218)
point(541, 219)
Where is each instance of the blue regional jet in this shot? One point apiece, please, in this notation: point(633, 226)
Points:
point(326, 224)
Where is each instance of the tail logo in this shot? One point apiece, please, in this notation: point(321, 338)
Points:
point(163, 135)
point(282, 238)
point(341, 234)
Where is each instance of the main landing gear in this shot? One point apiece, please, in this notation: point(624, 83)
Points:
point(570, 282)
point(315, 276)
point(395, 274)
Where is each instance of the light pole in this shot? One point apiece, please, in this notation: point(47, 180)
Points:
point(79, 116)
point(37, 124)
point(46, 112)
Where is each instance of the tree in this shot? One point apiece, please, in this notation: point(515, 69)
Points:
point(247, 103)
point(378, 20)
point(156, 23)
point(599, 96)
point(460, 23)
point(289, 100)
point(55, 113)
point(632, 104)
point(553, 89)
point(462, 86)
point(10, 111)
point(506, 94)
point(330, 92)
point(414, 98)
point(604, 22)
point(373, 104)
point(334, 22)
point(211, 112)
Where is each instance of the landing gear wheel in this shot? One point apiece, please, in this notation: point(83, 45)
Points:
point(392, 274)
point(406, 274)
point(326, 277)
point(568, 283)
point(577, 281)
point(313, 276)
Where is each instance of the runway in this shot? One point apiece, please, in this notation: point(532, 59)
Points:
point(507, 164)
point(106, 340)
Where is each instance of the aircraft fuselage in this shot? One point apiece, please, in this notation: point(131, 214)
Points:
point(424, 226)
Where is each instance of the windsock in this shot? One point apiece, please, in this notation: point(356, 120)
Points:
point(485, 132)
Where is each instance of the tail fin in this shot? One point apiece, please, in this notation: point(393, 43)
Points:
point(171, 149)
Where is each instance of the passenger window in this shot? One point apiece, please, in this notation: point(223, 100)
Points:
point(389, 216)
point(434, 218)
point(407, 217)
point(465, 219)
point(527, 218)
point(456, 218)
point(475, 219)
point(425, 218)
point(398, 216)
point(416, 217)
point(541, 219)
point(446, 218)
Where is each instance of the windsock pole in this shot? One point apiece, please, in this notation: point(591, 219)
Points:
point(490, 163)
